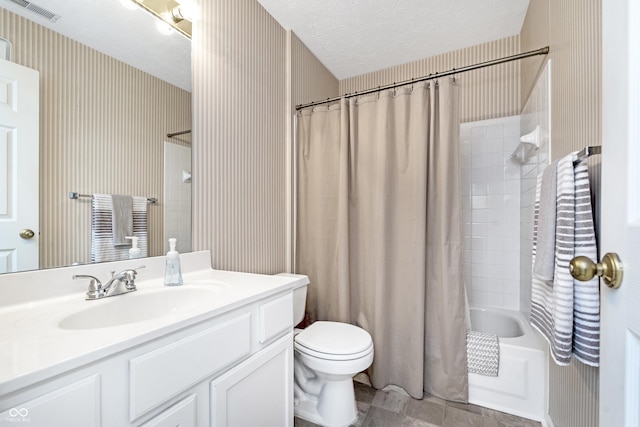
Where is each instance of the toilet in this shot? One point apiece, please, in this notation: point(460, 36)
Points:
point(327, 355)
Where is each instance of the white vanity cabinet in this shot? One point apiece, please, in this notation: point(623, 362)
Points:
point(234, 369)
point(76, 404)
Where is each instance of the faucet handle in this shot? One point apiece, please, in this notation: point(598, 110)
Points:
point(133, 270)
point(95, 286)
point(130, 277)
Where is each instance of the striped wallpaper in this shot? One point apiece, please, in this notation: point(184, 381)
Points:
point(239, 100)
point(307, 81)
point(573, 30)
point(486, 93)
point(102, 128)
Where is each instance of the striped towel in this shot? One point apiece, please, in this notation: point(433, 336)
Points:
point(483, 353)
point(566, 312)
point(586, 295)
point(102, 243)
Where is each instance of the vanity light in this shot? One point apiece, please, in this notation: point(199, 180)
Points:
point(178, 14)
point(188, 9)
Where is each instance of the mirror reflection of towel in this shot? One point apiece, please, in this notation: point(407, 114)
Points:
point(122, 219)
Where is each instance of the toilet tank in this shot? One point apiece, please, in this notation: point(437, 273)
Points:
point(299, 296)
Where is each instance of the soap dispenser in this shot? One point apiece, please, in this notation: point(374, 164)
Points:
point(172, 275)
point(134, 252)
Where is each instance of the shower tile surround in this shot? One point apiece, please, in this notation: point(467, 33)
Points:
point(535, 112)
point(491, 211)
point(177, 196)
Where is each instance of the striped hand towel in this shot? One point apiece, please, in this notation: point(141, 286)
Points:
point(566, 312)
point(102, 240)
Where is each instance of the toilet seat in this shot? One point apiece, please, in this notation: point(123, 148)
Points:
point(334, 341)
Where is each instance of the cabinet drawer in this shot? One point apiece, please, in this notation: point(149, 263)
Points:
point(182, 414)
point(275, 317)
point(163, 373)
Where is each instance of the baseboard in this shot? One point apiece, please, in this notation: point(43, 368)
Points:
point(547, 422)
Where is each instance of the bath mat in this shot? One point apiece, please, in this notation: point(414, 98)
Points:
point(483, 353)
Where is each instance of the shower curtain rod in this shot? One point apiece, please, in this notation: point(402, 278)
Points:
point(541, 51)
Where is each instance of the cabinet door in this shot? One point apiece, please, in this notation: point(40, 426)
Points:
point(182, 414)
point(259, 391)
point(74, 405)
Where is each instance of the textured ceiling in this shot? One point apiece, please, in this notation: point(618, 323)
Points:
point(350, 37)
point(127, 35)
point(353, 37)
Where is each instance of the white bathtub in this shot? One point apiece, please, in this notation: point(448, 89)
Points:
point(519, 388)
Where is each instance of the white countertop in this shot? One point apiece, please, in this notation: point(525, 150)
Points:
point(34, 347)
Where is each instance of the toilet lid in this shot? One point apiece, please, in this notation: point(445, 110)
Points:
point(334, 338)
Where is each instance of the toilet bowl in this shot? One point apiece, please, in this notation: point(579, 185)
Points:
point(327, 355)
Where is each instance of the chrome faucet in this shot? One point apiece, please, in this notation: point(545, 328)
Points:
point(97, 290)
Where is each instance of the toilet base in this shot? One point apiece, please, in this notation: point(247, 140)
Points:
point(335, 406)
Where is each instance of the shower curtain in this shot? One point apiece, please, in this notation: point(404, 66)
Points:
point(379, 231)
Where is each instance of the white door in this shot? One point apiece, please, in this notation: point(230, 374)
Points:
point(620, 228)
point(19, 166)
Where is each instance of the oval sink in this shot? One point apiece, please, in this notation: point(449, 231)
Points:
point(140, 306)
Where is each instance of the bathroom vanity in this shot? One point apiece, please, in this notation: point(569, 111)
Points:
point(217, 351)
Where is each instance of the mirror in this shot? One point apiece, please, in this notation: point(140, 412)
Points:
point(104, 117)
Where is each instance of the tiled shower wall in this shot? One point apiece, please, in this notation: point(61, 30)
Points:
point(491, 211)
point(535, 113)
point(177, 196)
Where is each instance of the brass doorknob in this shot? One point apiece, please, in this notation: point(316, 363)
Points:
point(25, 233)
point(610, 269)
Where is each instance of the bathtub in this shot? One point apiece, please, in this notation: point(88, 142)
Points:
point(519, 388)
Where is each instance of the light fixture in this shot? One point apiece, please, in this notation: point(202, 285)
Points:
point(175, 13)
point(188, 9)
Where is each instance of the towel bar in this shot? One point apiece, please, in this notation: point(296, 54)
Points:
point(74, 195)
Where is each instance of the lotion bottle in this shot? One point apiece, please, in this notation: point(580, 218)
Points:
point(134, 252)
point(172, 275)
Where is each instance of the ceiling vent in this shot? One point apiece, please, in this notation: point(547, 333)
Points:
point(47, 14)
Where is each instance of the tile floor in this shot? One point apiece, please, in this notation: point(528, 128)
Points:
point(389, 408)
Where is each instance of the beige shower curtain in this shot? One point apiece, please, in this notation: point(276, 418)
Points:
point(380, 233)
